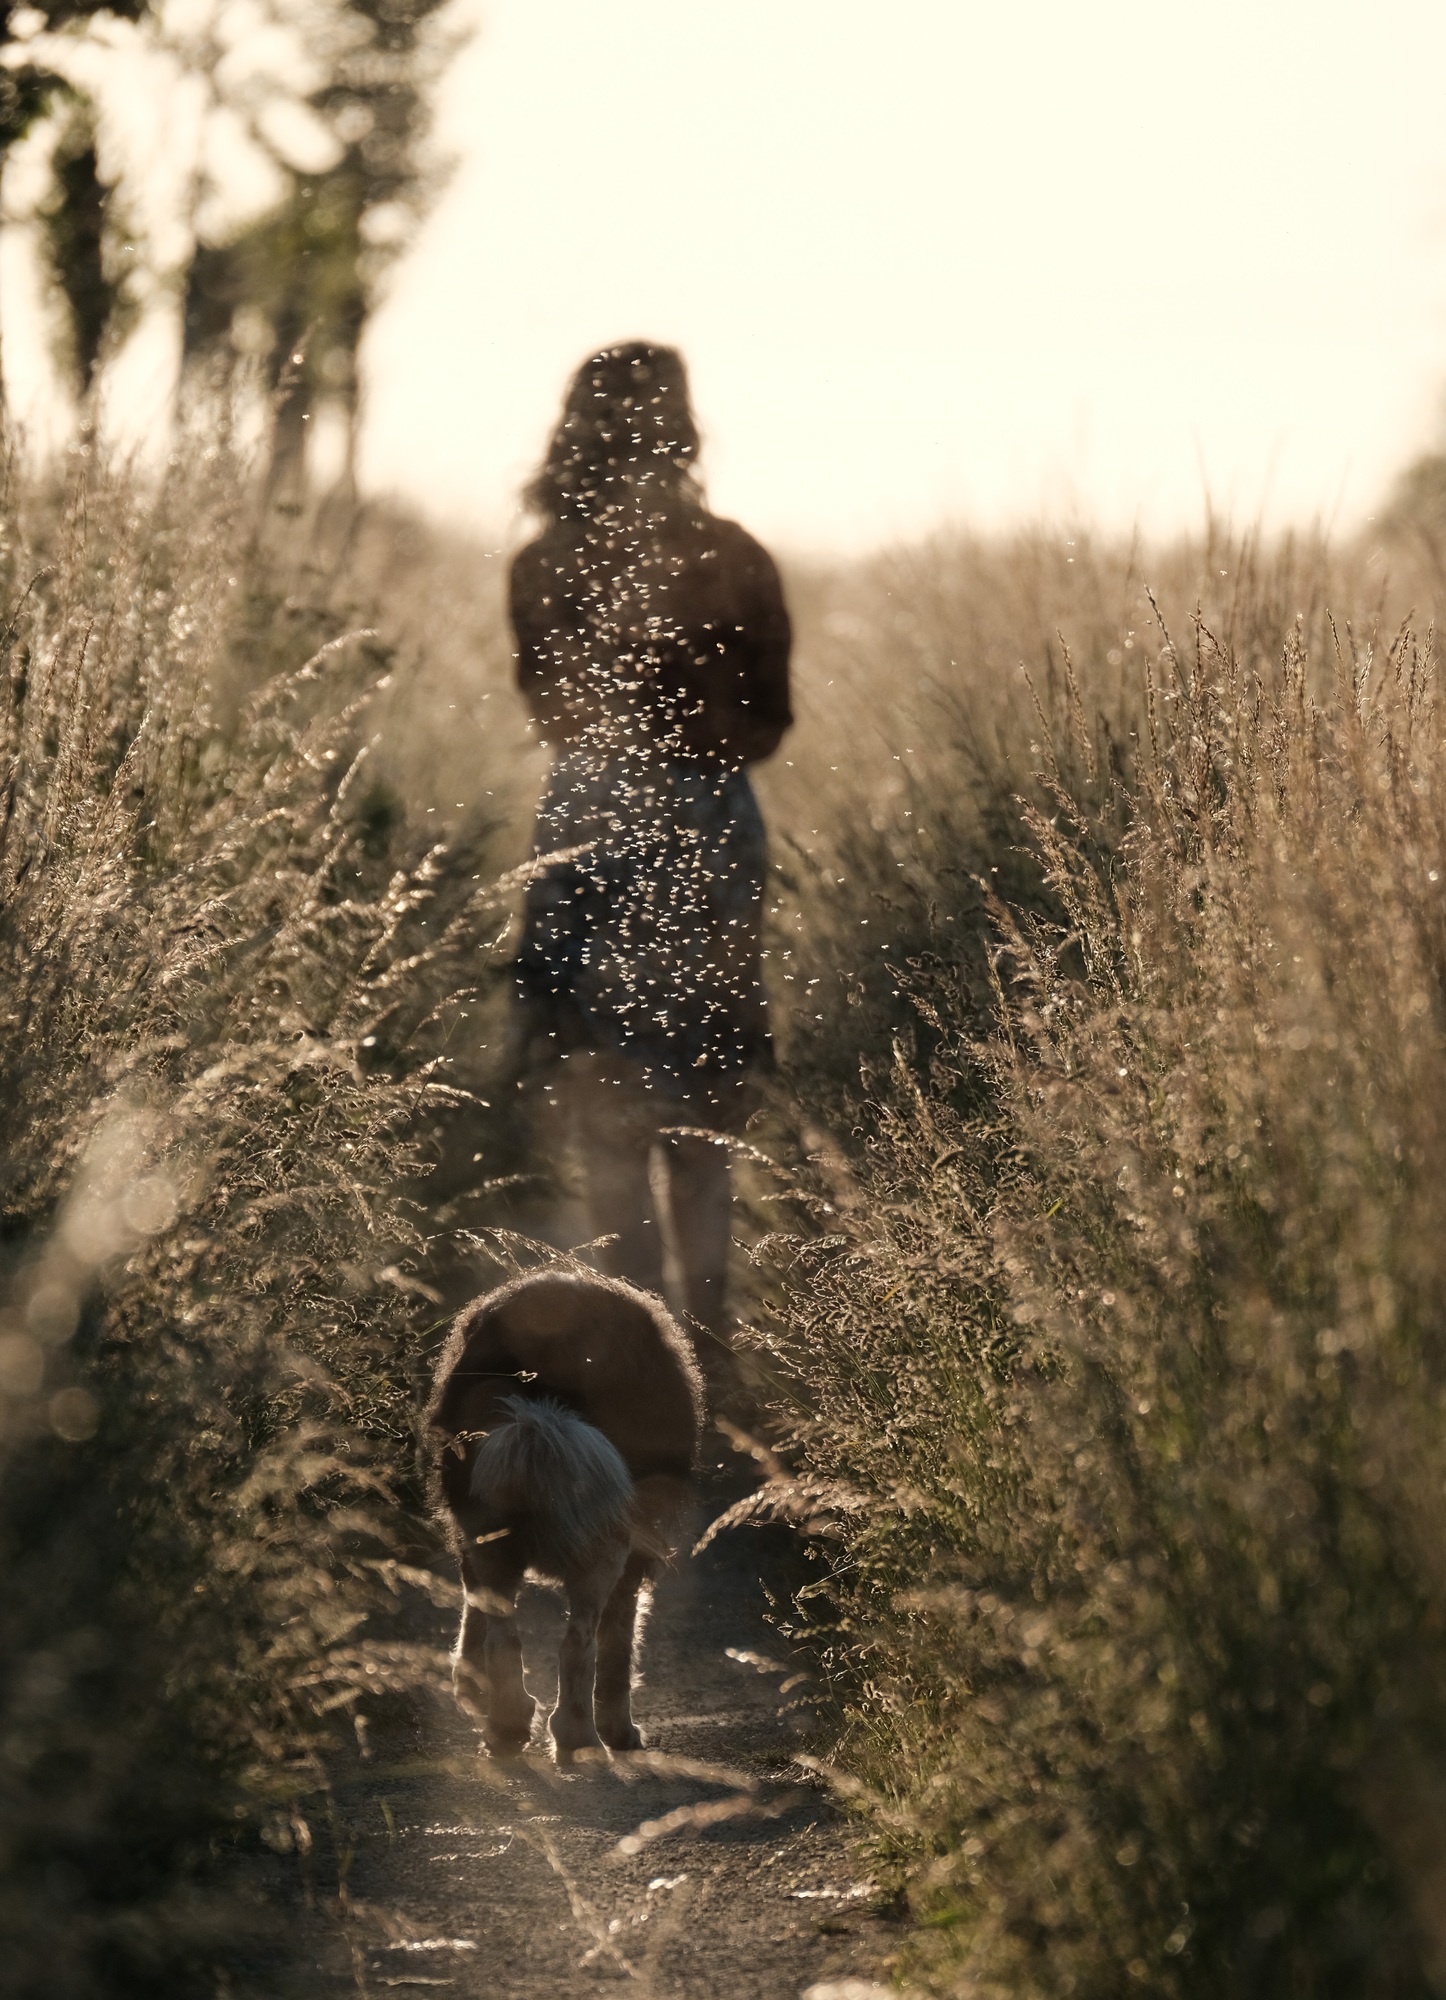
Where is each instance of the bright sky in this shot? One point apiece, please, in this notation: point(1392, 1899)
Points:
point(933, 258)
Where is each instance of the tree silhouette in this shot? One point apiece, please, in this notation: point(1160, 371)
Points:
point(75, 222)
point(294, 180)
point(299, 284)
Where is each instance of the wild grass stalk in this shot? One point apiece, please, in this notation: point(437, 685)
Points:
point(1124, 1358)
point(222, 1002)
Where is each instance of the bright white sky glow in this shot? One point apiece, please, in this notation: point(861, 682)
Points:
point(939, 257)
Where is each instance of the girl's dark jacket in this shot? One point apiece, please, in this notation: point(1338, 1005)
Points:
point(675, 631)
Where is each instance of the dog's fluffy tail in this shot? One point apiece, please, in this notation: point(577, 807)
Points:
point(551, 1468)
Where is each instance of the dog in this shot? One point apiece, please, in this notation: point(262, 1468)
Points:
point(565, 1417)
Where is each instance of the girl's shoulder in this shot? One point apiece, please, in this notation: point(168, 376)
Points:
point(543, 552)
point(542, 571)
point(729, 543)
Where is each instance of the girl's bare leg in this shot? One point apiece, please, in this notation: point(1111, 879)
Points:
point(700, 1205)
point(615, 1135)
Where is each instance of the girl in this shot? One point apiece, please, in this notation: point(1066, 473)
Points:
point(652, 650)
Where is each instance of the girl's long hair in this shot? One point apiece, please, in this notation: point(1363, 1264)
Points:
point(626, 434)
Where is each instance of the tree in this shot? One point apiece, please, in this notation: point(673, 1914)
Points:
point(75, 217)
point(297, 287)
point(290, 173)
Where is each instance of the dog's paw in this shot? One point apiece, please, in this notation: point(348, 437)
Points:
point(583, 1757)
point(512, 1725)
point(505, 1749)
point(575, 1740)
point(505, 1743)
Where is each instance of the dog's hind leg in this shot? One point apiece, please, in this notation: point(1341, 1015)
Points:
point(588, 1591)
point(614, 1697)
point(487, 1662)
point(469, 1674)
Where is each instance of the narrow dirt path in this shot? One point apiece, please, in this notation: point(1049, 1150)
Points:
point(516, 1881)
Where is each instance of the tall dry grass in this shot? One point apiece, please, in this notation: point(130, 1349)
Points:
point(939, 689)
point(229, 977)
point(1122, 1342)
point(1112, 992)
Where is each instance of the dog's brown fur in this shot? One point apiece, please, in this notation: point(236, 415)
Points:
point(522, 1366)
